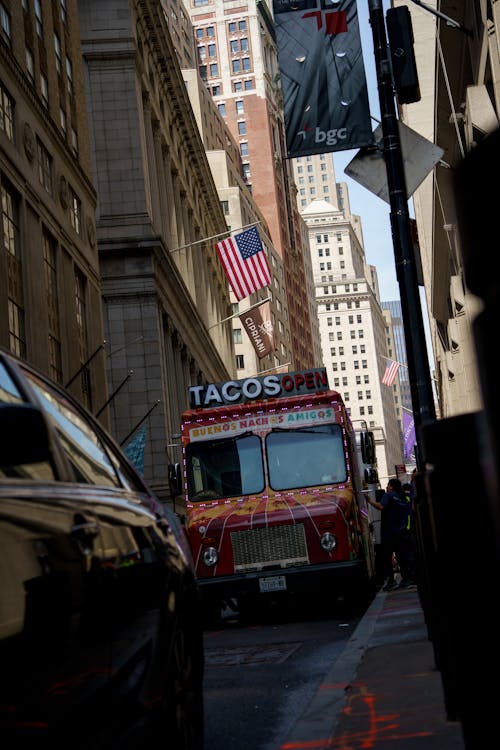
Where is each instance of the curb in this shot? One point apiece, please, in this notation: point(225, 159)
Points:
point(317, 724)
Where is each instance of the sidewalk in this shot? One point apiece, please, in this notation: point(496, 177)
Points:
point(384, 692)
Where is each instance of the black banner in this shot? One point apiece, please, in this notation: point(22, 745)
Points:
point(322, 76)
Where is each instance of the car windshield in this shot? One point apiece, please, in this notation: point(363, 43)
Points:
point(224, 468)
point(306, 457)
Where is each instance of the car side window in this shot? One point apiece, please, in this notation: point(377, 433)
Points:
point(9, 392)
point(82, 445)
point(15, 467)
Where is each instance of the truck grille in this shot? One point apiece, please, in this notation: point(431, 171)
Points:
point(275, 546)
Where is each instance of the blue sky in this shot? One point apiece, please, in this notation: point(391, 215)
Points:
point(374, 211)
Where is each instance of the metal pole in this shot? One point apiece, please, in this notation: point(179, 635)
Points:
point(406, 269)
point(115, 392)
point(87, 362)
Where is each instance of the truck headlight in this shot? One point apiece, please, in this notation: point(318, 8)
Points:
point(210, 557)
point(328, 541)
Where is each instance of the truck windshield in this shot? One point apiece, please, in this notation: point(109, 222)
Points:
point(306, 457)
point(224, 468)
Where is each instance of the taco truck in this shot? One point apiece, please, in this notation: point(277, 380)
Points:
point(273, 487)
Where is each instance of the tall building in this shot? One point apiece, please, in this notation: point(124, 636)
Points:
point(237, 59)
point(315, 179)
point(164, 290)
point(459, 106)
point(397, 351)
point(50, 301)
point(241, 211)
point(352, 328)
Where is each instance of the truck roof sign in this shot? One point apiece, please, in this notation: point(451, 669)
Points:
point(230, 392)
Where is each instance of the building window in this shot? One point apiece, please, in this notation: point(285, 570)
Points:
point(38, 18)
point(74, 142)
point(242, 127)
point(11, 242)
point(216, 90)
point(57, 50)
point(239, 107)
point(5, 25)
point(30, 65)
point(10, 220)
point(246, 63)
point(64, 125)
point(44, 166)
point(44, 90)
point(210, 31)
point(244, 148)
point(75, 210)
point(236, 65)
point(249, 84)
point(246, 171)
point(203, 72)
point(17, 335)
point(6, 113)
point(49, 257)
point(232, 27)
point(81, 323)
point(64, 13)
point(214, 70)
point(237, 337)
point(69, 76)
point(244, 44)
point(225, 207)
point(222, 109)
point(240, 362)
point(242, 25)
point(212, 50)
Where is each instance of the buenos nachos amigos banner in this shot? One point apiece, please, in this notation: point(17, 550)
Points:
point(322, 76)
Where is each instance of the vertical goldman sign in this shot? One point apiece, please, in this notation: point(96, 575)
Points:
point(322, 76)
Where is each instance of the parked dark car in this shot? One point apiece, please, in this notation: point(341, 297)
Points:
point(101, 642)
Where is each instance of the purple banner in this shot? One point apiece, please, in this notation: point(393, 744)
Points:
point(409, 434)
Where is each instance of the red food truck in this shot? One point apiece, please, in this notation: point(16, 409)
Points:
point(273, 488)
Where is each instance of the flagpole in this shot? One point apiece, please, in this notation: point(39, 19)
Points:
point(270, 369)
point(235, 315)
point(401, 364)
point(214, 237)
point(140, 422)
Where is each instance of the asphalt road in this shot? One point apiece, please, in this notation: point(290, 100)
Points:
point(262, 672)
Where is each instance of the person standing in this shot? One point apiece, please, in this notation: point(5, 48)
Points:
point(395, 535)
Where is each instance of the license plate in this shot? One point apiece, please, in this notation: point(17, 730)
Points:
point(273, 583)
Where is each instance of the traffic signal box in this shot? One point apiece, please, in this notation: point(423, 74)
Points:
point(404, 67)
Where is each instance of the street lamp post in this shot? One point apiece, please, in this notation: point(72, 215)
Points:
point(406, 269)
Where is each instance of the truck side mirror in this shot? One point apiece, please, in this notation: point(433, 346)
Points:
point(368, 447)
point(174, 479)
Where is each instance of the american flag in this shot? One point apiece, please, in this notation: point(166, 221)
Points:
point(245, 262)
point(390, 373)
